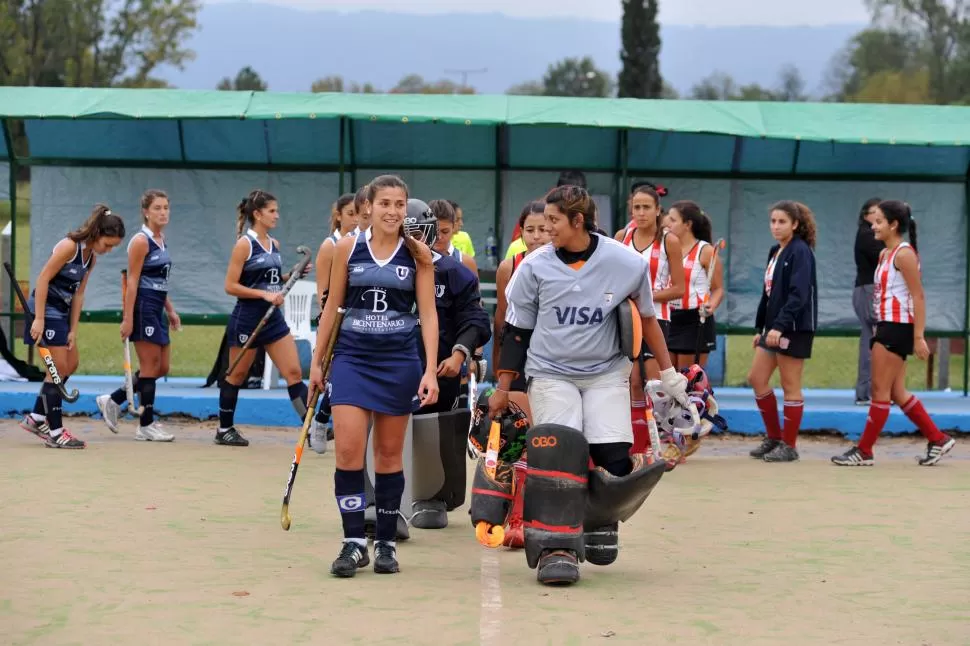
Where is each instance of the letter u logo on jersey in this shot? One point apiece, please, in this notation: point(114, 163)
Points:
point(403, 272)
point(439, 291)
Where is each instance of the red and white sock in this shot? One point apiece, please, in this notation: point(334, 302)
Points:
point(917, 415)
point(641, 430)
point(768, 406)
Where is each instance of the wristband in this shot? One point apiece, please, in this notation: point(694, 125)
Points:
point(460, 348)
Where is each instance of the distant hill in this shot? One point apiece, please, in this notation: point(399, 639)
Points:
point(290, 48)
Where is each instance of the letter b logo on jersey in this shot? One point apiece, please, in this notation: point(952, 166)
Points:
point(378, 298)
point(579, 315)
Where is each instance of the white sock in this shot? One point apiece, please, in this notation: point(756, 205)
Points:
point(56, 432)
point(360, 541)
point(37, 418)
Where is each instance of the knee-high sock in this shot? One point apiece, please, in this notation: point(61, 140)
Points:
point(228, 396)
point(119, 396)
point(388, 490)
point(641, 430)
point(348, 487)
point(52, 404)
point(147, 388)
point(917, 415)
point(298, 398)
point(793, 421)
point(878, 414)
point(768, 406)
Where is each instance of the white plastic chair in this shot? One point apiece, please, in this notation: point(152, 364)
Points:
point(296, 310)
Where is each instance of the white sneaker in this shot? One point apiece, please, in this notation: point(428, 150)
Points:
point(318, 437)
point(153, 433)
point(109, 412)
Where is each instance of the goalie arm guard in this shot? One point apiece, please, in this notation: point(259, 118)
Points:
point(515, 345)
point(630, 329)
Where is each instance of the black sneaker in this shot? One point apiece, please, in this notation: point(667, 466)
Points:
point(63, 440)
point(385, 558)
point(230, 437)
point(603, 544)
point(854, 457)
point(936, 450)
point(765, 448)
point(352, 557)
point(781, 453)
point(559, 567)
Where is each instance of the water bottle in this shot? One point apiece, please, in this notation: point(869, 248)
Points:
point(491, 250)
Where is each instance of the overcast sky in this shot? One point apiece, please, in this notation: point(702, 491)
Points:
point(674, 12)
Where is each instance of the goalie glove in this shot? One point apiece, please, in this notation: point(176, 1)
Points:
point(675, 385)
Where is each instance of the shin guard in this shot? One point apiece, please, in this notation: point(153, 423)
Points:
point(556, 491)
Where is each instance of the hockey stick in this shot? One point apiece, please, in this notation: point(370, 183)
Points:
point(295, 274)
point(129, 380)
point(305, 431)
point(42, 349)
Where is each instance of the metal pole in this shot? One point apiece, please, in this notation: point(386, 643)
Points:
point(340, 155)
point(12, 155)
point(966, 298)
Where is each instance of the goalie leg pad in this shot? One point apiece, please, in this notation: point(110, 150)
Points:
point(613, 498)
point(556, 490)
point(438, 469)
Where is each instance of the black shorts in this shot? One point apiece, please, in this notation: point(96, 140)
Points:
point(798, 345)
point(684, 325)
point(895, 337)
point(449, 390)
point(665, 328)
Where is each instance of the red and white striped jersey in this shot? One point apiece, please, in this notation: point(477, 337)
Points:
point(891, 297)
point(770, 272)
point(698, 286)
point(656, 255)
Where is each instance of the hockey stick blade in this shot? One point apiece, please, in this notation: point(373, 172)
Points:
point(45, 353)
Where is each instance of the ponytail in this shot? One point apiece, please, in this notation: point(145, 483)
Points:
point(248, 207)
point(101, 224)
point(912, 233)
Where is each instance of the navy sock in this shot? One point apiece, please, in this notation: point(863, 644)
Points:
point(388, 489)
point(348, 486)
point(323, 415)
point(147, 400)
point(39, 408)
point(120, 396)
point(53, 400)
point(298, 397)
point(228, 396)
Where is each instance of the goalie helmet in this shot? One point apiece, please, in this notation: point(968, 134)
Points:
point(671, 417)
point(514, 424)
point(420, 222)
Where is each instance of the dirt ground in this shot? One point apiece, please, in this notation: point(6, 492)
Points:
point(133, 543)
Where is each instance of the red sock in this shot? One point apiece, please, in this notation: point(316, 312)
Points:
point(878, 414)
point(768, 406)
point(917, 415)
point(641, 431)
point(793, 421)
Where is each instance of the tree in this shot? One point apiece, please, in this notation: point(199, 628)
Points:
point(529, 88)
point(328, 84)
point(791, 86)
point(722, 87)
point(640, 75)
point(415, 84)
point(93, 43)
point(576, 77)
point(942, 28)
point(868, 54)
point(717, 86)
point(247, 80)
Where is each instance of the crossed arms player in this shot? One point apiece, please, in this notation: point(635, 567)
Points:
point(568, 315)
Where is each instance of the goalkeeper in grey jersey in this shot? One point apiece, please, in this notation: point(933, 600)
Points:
point(578, 310)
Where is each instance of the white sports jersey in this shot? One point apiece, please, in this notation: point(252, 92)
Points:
point(656, 255)
point(695, 278)
point(572, 309)
point(893, 302)
point(770, 272)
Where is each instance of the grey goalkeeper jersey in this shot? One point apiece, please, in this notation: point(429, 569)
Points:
point(572, 309)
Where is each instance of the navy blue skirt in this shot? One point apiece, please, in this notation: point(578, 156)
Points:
point(244, 319)
point(389, 387)
point(55, 331)
point(150, 321)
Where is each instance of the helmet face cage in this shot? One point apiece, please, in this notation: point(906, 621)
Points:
point(420, 223)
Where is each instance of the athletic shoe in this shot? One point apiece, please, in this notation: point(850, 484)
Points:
point(429, 514)
point(64, 440)
point(318, 436)
point(230, 437)
point(781, 453)
point(153, 433)
point(109, 411)
point(854, 457)
point(352, 557)
point(38, 427)
point(559, 567)
point(862, 401)
point(603, 544)
point(766, 446)
point(936, 450)
point(385, 558)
